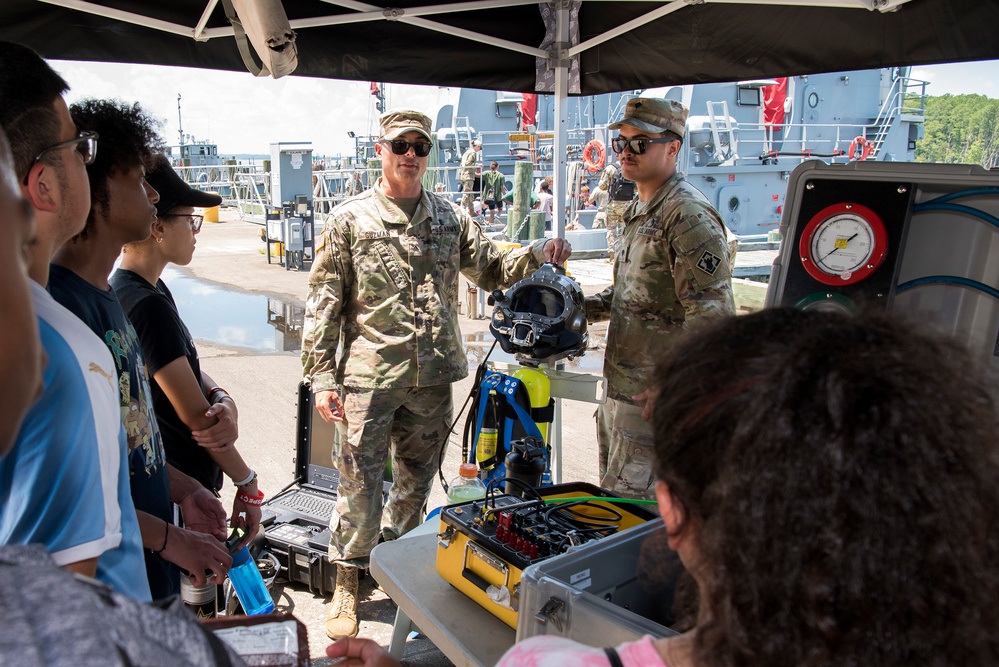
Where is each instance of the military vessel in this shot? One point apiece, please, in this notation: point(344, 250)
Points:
point(742, 141)
point(199, 163)
point(743, 138)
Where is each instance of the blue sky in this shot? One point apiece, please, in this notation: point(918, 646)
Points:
point(243, 114)
point(980, 78)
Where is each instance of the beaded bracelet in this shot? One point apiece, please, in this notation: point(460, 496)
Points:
point(256, 499)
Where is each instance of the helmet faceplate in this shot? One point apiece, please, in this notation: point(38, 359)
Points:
point(540, 318)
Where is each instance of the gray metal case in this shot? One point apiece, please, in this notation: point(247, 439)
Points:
point(941, 268)
point(603, 593)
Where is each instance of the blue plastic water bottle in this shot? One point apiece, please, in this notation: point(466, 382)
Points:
point(249, 585)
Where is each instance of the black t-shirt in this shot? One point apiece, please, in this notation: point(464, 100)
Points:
point(150, 485)
point(165, 338)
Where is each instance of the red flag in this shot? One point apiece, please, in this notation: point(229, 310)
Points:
point(374, 89)
point(773, 103)
point(529, 109)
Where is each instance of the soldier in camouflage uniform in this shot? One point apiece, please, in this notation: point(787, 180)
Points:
point(354, 185)
point(599, 198)
point(672, 268)
point(617, 204)
point(469, 164)
point(384, 290)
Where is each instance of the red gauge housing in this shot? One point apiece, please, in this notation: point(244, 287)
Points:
point(856, 214)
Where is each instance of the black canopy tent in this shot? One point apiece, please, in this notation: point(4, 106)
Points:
point(496, 44)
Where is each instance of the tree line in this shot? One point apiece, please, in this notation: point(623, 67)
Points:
point(961, 129)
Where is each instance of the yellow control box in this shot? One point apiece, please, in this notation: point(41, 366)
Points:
point(485, 545)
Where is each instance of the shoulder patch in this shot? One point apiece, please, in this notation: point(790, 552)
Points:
point(708, 262)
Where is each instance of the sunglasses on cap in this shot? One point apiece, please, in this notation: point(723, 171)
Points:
point(85, 143)
point(400, 147)
point(194, 220)
point(637, 146)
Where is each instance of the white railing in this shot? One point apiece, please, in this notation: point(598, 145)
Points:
point(758, 141)
point(906, 97)
point(330, 187)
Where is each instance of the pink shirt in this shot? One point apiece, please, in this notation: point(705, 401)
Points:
point(551, 651)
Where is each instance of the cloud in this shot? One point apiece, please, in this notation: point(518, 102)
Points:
point(241, 113)
point(979, 78)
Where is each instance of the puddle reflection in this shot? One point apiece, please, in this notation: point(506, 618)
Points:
point(266, 324)
point(235, 319)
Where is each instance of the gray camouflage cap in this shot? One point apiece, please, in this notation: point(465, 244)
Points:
point(654, 115)
point(397, 122)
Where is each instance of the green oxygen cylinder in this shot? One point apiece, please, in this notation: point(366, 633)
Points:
point(539, 390)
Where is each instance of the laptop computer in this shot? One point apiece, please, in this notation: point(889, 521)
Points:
point(296, 520)
point(312, 495)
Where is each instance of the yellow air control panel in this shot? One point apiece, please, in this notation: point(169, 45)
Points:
point(485, 545)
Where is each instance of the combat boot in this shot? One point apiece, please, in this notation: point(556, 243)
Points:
point(341, 621)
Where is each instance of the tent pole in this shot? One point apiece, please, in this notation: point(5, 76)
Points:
point(561, 66)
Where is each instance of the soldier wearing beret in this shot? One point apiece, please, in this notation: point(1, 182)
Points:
point(381, 344)
point(671, 270)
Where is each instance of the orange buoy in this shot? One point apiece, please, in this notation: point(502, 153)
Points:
point(594, 156)
point(865, 149)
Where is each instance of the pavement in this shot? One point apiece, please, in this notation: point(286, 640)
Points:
point(230, 256)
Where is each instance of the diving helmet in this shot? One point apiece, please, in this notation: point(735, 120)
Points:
point(540, 318)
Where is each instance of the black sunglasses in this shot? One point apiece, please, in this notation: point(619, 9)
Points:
point(400, 147)
point(637, 146)
point(85, 144)
point(194, 220)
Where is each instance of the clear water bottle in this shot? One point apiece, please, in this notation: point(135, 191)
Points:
point(466, 486)
point(249, 585)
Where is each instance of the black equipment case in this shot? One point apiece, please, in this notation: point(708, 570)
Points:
point(296, 521)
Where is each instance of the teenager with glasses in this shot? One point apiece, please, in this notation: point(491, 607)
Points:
point(384, 289)
point(122, 210)
point(188, 401)
point(671, 270)
point(53, 616)
point(65, 483)
point(85, 143)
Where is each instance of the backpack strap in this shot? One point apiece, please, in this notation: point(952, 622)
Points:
point(245, 51)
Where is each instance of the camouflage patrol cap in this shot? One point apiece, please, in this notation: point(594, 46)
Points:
point(654, 115)
point(397, 122)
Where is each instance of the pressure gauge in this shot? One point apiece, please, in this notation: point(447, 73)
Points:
point(843, 244)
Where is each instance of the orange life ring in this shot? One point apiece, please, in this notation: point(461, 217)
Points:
point(594, 156)
point(865, 149)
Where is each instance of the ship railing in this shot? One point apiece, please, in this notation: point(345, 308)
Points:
point(761, 142)
point(225, 180)
point(251, 194)
point(463, 134)
point(913, 102)
point(331, 187)
point(204, 176)
point(539, 147)
point(906, 97)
